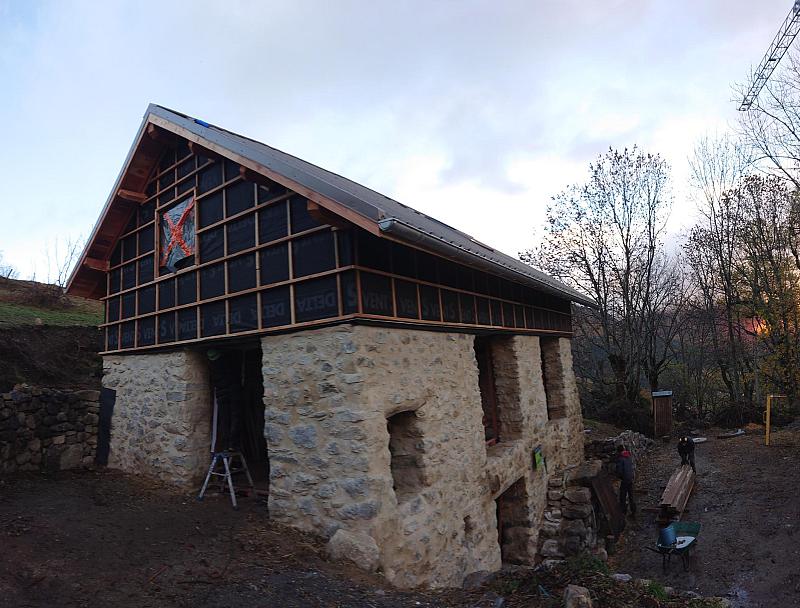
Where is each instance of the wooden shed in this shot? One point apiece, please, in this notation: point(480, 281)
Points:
point(662, 413)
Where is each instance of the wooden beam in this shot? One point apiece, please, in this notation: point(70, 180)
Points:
point(249, 175)
point(95, 264)
point(161, 135)
point(130, 195)
point(199, 150)
point(323, 216)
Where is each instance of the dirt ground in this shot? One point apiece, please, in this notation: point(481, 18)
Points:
point(48, 339)
point(101, 538)
point(105, 539)
point(746, 500)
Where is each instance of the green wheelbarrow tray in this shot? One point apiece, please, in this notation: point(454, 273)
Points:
point(685, 534)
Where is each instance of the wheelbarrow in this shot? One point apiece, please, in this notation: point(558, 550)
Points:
point(678, 538)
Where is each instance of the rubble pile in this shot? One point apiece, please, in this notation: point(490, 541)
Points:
point(606, 449)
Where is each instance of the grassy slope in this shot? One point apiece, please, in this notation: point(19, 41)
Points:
point(12, 315)
point(48, 340)
point(21, 306)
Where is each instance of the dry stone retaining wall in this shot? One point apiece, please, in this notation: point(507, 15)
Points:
point(570, 522)
point(42, 428)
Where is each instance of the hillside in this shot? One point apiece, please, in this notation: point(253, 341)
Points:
point(46, 338)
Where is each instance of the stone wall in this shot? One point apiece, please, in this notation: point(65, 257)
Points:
point(570, 526)
point(328, 395)
point(42, 428)
point(570, 523)
point(161, 425)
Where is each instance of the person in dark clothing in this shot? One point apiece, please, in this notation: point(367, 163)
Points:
point(686, 451)
point(225, 376)
point(626, 470)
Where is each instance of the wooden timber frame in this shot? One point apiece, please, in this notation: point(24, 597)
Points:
point(329, 269)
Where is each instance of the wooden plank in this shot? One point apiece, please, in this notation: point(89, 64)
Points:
point(609, 503)
point(199, 150)
point(96, 264)
point(360, 220)
point(678, 490)
point(130, 195)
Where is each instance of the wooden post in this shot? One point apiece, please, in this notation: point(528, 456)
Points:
point(768, 417)
point(767, 421)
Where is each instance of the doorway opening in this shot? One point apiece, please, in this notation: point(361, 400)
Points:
point(237, 385)
point(514, 524)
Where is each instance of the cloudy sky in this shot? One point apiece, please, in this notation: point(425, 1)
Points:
point(475, 112)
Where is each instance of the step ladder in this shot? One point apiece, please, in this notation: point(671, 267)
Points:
point(223, 466)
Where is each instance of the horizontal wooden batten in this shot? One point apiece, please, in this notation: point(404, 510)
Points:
point(350, 318)
point(224, 258)
point(400, 277)
point(228, 296)
point(394, 320)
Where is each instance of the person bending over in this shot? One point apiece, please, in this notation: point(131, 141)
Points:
point(626, 470)
point(686, 451)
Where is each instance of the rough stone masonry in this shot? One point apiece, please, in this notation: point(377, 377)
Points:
point(42, 428)
point(161, 425)
point(376, 434)
point(341, 405)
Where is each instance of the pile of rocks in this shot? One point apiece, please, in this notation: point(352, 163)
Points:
point(606, 449)
point(50, 429)
point(569, 525)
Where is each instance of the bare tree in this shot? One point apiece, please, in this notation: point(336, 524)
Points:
point(604, 237)
point(62, 255)
point(744, 255)
point(712, 251)
point(662, 315)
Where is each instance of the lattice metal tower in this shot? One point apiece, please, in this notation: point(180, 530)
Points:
point(780, 44)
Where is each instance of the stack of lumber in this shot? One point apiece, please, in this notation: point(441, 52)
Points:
point(676, 494)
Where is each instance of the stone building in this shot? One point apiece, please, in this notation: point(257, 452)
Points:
point(405, 385)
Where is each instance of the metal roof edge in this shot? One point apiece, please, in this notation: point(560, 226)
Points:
point(406, 232)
